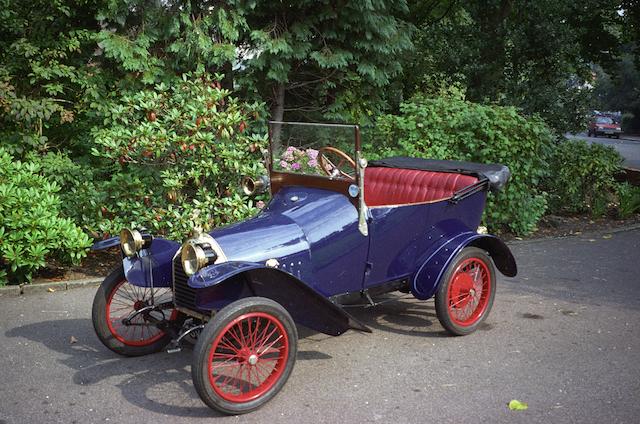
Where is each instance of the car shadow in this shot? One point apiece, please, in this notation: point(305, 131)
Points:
point(162, 382)
point(401, 314)
point(159, 382)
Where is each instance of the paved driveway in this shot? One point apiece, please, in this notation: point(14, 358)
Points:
point(563, 336)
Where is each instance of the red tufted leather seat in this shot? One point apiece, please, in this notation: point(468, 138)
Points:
point(395, 186)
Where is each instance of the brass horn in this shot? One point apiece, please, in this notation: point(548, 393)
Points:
point(257, 186)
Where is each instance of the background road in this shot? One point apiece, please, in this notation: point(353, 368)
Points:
point(563, 336)
point(628, 147)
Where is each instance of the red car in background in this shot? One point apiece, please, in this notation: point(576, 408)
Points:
point(604, 125)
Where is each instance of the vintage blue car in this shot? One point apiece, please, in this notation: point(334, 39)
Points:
point(337, 231)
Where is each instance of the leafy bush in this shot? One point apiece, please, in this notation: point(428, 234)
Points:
point(31, 228)
point(172, 153)
point(77, 192)
point(582, 177)
point(628, 199)
point(448, 127)
point(628, 120)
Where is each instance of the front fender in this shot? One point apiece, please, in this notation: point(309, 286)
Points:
point(428, 278)
point(106, 244)
point(158, 258)
point(306, 306)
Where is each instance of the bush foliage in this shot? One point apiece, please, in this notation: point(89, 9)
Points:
point(583, 177)
point(448, 127)
point(169, 151)
point(31, 226)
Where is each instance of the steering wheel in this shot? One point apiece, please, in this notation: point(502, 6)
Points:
point(339, 157)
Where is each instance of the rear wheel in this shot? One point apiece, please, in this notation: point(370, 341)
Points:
point(115, 320)
point(244, 355)
point(466, 294)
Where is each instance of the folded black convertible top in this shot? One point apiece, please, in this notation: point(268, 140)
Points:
point(497, 174)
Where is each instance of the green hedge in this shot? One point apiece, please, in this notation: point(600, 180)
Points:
point(31, 226)
point(582, 178)
point(172, 155)
point(451, 128)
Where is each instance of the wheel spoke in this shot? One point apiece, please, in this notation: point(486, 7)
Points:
point(468, 291)
point(243, 373)
point(123, 301)
point(265, 340)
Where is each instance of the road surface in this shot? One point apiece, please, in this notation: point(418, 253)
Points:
point(563, 336)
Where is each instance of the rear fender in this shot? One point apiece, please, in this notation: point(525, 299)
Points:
point(156, 258)
point(426, 281)
point(226, 282)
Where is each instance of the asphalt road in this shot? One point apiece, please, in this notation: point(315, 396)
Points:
point(629, 148)
point(563, 336)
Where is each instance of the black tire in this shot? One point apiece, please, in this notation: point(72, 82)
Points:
point(459, 288)
point(217, 339)
point(114, 335)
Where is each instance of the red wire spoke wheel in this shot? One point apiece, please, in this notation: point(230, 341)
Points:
point(124, 301)
point(244, 355)
point(466, 293)
point(117, 301)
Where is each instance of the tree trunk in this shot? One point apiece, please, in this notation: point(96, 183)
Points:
point(277, 114)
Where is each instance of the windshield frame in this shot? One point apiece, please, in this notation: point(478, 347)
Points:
point(280, 179)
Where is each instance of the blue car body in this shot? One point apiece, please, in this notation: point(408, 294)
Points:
point(313, 236)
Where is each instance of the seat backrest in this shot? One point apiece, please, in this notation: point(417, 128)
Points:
point(396, 186)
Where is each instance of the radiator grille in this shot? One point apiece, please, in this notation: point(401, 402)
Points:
point(184, 296)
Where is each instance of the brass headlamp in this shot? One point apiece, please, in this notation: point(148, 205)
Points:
point(196, 256)
point(132, 241)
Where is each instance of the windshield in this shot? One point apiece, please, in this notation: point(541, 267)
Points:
point(604, 120)
point(326, 150)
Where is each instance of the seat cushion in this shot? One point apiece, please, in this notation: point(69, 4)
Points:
point(397, 186)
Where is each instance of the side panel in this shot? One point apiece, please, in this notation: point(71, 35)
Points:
point(337, 249)
point(402, 237)
point(312, 233)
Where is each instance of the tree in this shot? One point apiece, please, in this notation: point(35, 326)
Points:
point(533, 55)
point(619, 90)
point(47, 73)
point(334, 60)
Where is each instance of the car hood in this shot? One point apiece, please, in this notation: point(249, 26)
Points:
point(267, 236)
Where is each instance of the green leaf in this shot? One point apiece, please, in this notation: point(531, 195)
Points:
point(516, 405)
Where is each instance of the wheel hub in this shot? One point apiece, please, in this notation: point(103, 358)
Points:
point(253, 359)
point(463, 289)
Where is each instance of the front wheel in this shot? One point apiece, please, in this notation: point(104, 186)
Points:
point(466, 293)
point(244, 355)
point(117, 322)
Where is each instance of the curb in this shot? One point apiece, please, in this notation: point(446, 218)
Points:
point(585, 234)
point(26, 289)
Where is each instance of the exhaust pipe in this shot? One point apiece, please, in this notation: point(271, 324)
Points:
point(252, 187)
